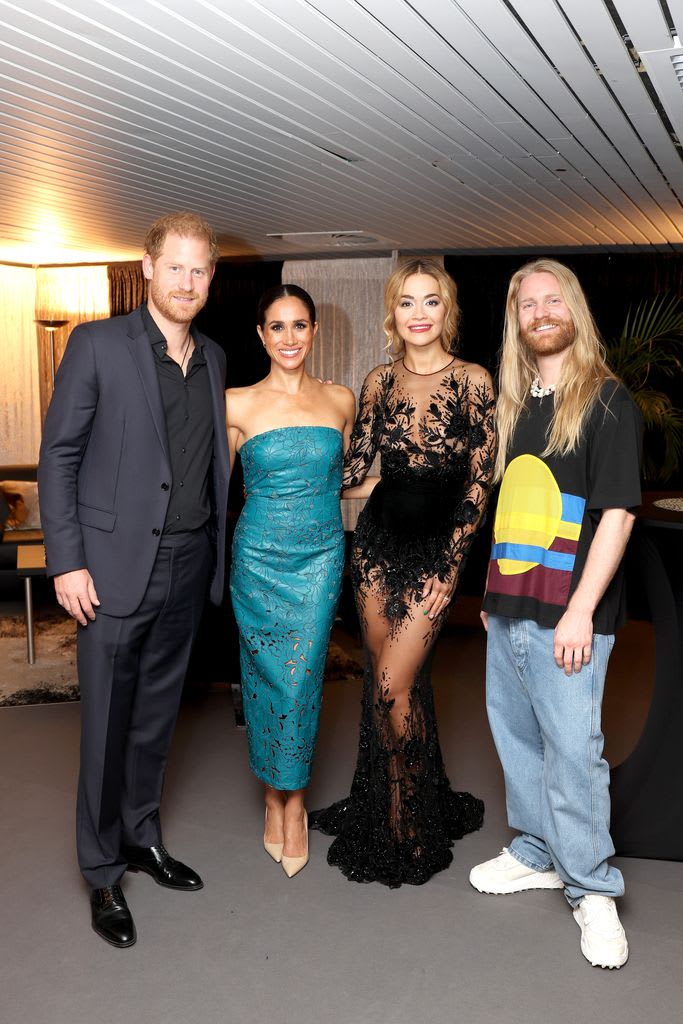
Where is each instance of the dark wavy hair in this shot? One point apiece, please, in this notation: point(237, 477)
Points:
point(283, 291)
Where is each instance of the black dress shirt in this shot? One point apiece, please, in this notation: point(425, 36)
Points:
point(189, 428)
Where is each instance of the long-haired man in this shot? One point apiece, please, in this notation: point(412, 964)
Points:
point(569, 445)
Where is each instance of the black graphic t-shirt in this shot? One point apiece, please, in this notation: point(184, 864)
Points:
point(549, 509)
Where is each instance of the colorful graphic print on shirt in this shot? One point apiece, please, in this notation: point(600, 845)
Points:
point(536, 534)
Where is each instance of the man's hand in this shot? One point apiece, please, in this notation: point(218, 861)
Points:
point(484, 616)
point(76, 593)
point(573, 641)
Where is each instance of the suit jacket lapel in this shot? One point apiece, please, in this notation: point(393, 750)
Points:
point(141, 350)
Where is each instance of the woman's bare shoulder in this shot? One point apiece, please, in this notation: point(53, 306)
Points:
point(338, 392)
point(377, 374)
point(477, 374)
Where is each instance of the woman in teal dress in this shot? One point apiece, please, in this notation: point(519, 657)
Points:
point(291, 432)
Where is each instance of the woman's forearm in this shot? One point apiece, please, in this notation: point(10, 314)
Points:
point(362, 490)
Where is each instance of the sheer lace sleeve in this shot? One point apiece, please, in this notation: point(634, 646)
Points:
point(366, 432)
point(482, 457)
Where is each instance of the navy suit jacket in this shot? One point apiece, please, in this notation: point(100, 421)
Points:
point(104, 466)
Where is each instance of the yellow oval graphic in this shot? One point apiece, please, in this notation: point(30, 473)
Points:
point(529, 510)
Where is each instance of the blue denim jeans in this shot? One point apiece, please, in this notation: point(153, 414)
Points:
point(547, 731)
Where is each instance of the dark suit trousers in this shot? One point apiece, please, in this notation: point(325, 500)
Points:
point(131, 672)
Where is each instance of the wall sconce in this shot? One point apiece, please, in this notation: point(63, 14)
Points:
point(51, 326)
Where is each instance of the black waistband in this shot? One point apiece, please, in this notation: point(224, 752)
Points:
point(426, 487)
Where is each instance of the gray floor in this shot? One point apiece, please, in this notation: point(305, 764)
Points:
point(255, 946)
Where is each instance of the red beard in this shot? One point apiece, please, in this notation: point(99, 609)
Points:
point(552, 342)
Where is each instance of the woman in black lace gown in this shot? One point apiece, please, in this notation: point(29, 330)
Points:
point(430, 416)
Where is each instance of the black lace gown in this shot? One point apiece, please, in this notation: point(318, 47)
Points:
point(435, 436)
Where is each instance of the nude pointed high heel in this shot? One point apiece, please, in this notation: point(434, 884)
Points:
point(293, 865)
point(273, 849)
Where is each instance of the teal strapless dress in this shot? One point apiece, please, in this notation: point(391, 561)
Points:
point(288, 557)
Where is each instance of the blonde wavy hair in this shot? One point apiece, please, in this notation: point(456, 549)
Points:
point(584, 370)
point(395, 288)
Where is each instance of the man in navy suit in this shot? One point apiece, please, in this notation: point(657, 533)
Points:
point(133, 481)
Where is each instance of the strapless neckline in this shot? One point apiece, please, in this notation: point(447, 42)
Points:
point(275, 430)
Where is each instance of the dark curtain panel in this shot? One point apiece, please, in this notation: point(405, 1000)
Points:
point(229, 316)
point(126, 287)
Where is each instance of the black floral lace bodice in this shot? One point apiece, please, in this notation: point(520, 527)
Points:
point(431, 427)
point(436, 440)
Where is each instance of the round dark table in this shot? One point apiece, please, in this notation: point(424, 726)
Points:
point(647, 788)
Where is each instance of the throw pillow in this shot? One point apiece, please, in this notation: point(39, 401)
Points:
point(22, 499)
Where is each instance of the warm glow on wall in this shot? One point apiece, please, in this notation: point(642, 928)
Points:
point(72, 293)
point(48, 238)
point(46, 230)
point(35, 253)
point(19, 388)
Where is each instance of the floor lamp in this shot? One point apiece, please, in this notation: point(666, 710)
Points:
point(51, 326)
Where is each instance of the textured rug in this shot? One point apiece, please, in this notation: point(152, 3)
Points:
point(53, 679)
point(53, 676)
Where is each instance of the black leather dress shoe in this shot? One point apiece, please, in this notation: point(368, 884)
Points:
point(157, 862)
point(111, 917)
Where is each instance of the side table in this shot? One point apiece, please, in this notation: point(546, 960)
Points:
point(30, 563)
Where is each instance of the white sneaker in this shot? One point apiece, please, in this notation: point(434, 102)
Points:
point(603, 939)
point(505, 874)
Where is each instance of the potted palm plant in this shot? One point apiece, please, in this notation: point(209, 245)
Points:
point(648, 358)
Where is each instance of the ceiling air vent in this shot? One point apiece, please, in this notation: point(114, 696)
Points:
point(334, 239)
point(677, 62)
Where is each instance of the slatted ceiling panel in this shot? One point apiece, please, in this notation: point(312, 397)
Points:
point(256, 138)
point(434, 62)
point(121, 110)
point(523, 54)
point(550, 83)
point(609, 52)
point(586, 169)
point(654, 43)
point(208, 169)
point(644, 22)
point(566, 52)
point(554, 36)
point(676, 11)
point(421, 37)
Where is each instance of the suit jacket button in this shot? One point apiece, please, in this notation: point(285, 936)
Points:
point(164, 487)
point(156, 532)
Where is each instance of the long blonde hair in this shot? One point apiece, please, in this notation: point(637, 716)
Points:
point(394, 289)
point(583, 373)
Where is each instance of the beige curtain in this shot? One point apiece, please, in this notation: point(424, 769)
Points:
point(19, 396)
point(348, 294)
point(76, 294)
